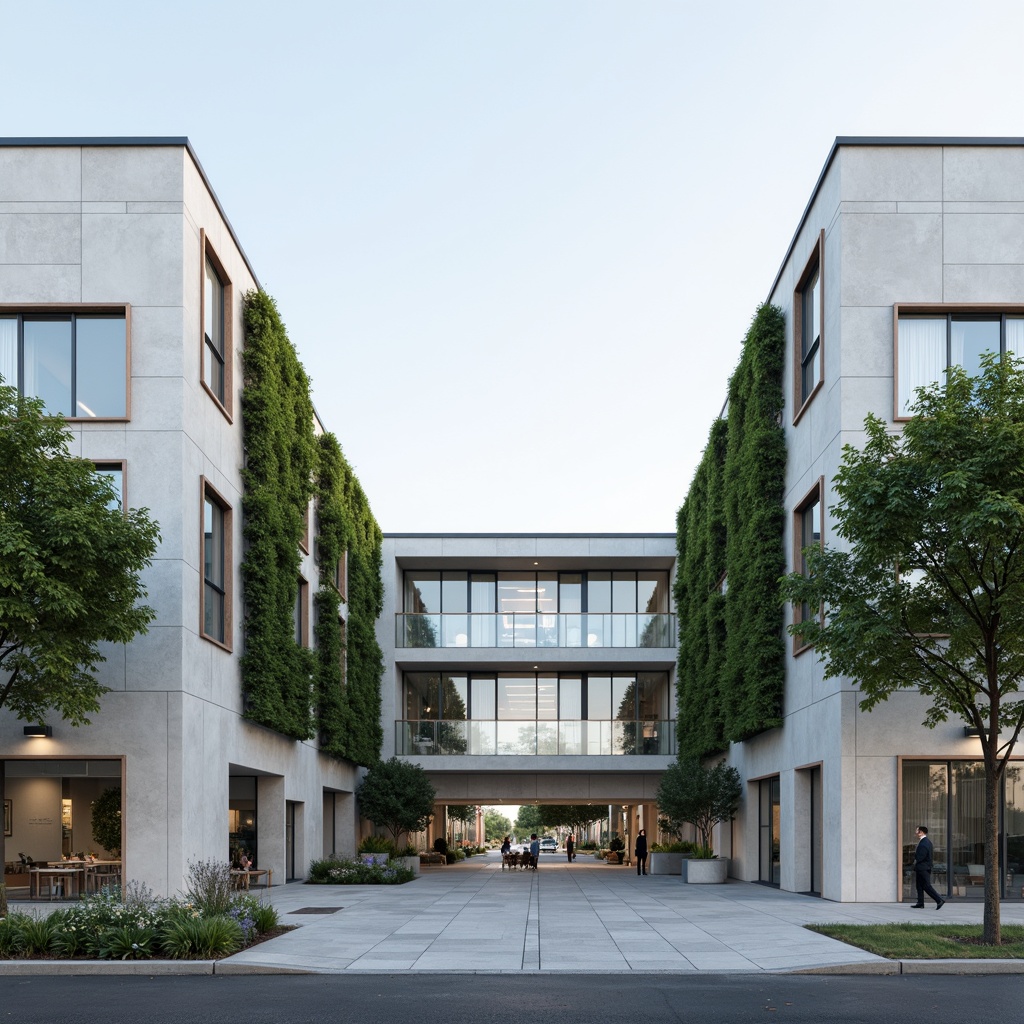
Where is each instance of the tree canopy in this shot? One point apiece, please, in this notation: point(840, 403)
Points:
point(398, 796)
point(928, 594)
point(576, 817)
point(496, 825)
point(690, 791)
point(70, 564)
point(528, 820)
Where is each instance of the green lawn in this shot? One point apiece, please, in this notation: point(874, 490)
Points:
point(926, 941)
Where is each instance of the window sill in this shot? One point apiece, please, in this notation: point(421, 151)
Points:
point(225, 412)
point(807, 401)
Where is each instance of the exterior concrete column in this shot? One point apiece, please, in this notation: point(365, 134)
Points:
point(270, 824)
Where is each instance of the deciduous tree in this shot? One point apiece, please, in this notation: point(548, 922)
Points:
point(398, 796)
point(929, 594)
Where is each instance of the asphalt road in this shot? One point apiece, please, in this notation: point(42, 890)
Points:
point(507, 999)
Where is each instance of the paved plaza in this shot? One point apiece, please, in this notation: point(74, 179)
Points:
point(585, 917)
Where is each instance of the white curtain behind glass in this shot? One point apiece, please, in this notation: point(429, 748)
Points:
point(9, 352)
point(1015, 337)
point(921, 358)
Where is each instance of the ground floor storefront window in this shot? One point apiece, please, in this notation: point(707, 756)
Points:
point(949, 798)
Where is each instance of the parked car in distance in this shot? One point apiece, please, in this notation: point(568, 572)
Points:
point(548, 844)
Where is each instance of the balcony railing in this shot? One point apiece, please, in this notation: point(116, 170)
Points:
point(570, 738)
point(520, 629)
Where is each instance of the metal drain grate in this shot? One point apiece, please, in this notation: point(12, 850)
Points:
point(316, 910)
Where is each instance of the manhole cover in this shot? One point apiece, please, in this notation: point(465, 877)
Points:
point(316, 910)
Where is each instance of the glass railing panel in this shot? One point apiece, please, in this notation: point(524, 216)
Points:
point(508, 629)
point(517, 737)
point(482, 737)
point(547, 738)
point(453, 737)
point(418, 631)
point(483, 630)
point(455, 630)
point(572, 738)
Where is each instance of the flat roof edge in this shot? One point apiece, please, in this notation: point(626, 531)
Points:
point(139, 141)
point(883, 140)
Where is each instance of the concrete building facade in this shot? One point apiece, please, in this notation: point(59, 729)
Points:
point(528, 669)
point(121, 285)
point(909, 256)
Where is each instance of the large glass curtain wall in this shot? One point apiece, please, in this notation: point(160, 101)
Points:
point(534, 609)
point(949, 798)
point(536, 713)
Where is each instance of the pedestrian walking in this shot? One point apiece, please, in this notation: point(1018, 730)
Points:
point(570, 846)
point(640, 852)
point(923, 870)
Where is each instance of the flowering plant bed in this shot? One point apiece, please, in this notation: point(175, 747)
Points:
point(339, 871)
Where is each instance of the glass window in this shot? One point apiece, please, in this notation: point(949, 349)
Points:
point(570, 698)
point(810, 339)
point(454, 593)
point(481, 698)
point(481, 591)
point(599, 592)
point(624, 697)
point(570, 592)
point(547, 697)
point(47, 363)
point(652, 593)
point(9, 351)
point(969, 340)
point(517, 697)
point(453, 698)
point(652, 696)
point(421, 696)
point(101, 354)
point(423, 592)
point(547, 592)
point(517, 592)
point(115, 474)
point(807, 531)
point(599, 698)
point(213, 332)
point(300, 615)
point(921, 357)
point(214, 570)
point(624, 592)
point(76, 364)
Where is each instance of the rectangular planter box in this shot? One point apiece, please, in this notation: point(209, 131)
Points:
point(705, 872)
point(665, 863)
point(412, 863)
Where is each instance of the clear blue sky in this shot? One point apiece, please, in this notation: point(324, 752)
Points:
point(516, 243)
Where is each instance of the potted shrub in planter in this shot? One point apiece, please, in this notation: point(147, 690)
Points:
point(690, 791)
point(667, 858)
point(616, 849)
point(396, 796)
point(375, 850)
point(702, 867)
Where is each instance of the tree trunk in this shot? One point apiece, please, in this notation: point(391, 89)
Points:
point(991, 929)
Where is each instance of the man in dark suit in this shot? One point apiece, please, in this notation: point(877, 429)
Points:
point(923, 870)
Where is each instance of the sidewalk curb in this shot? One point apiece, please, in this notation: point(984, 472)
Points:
point(957, 967)
point(10, 968)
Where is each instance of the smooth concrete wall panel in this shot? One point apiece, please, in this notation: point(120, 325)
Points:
point(41, 283)
point(888, 259)
point(153, 661)
point(164, 579)
point(872, 174)
point(862, 395)
point(153, 479)
point(41, 174)
point(983, 283)
point(983, 174)
point(986, 238)
point(875, 858)
point(132, 174)
point(132, 258)
point(100, 442)
point(113, 671)
point(157, 347)
point(40, 238)
point(867, 342)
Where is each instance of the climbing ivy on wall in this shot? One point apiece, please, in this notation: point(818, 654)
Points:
point(348, 702)
point(280, 457)
point(729, 536)
point(292, 689)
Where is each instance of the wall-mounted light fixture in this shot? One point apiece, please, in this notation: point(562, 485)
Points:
point(38, 730)
point(969, 730)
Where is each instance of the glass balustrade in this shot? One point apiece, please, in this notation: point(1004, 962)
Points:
point(485, 736)
point(530, 630)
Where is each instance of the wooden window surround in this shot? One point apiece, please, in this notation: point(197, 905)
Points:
point(115, 466)
point(947, 311)
point(216, 567)
point(74, 311)
point(304, 540)
point(809, 330)
point(341, 576)
point(808, 528)
point(216, 355)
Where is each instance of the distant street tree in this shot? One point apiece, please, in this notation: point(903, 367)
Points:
point(690, 791)
point(398, 796)
point(70, 564)
point(575, 817)
point(462, 813)
point(528, 820)
point(929, 597)
point(496, 825)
